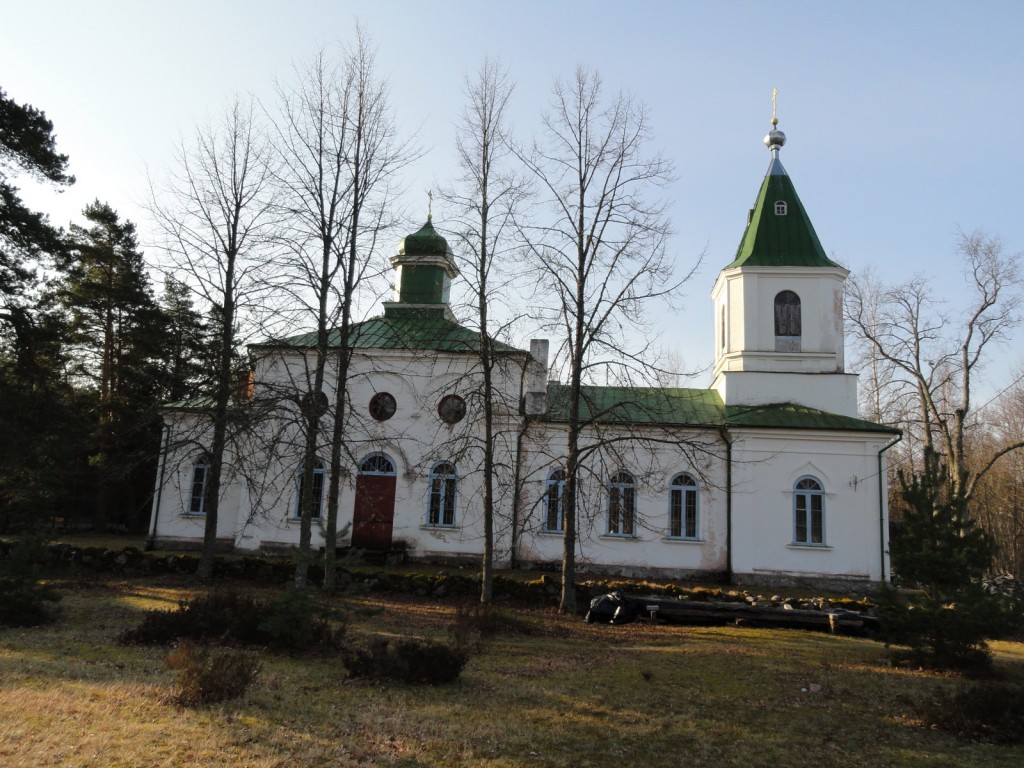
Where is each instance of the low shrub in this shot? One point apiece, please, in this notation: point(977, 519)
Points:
point(290, 622)
point(989, 711)
point(209, 677)
point(217, 616)
point(293, 621)
point(419, 662)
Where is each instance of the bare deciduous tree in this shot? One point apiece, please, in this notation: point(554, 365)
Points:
point(934, 355)
point(215, 212)
point(340, 152)
point(601, 253)
point(483, 206)
point(999, 497)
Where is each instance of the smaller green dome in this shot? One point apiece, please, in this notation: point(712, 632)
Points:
point(425, 242)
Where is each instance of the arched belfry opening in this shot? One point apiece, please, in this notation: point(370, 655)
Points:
point(787, 322)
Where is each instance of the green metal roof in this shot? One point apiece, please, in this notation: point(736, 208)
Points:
point(404, 328)
point(638, 405)
point(792, 416)
point(694, 408)
point(786, 240)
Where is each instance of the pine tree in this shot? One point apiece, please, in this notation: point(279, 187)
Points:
point(186, 352)
point(115, 326)
point(27, 145)
point(39, 441)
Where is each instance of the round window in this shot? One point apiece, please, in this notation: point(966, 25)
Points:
point(382, 406)
point(451, 409)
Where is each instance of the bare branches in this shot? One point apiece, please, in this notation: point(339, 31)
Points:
point(916, 346)
point(600, 251)
point(215, 212)
point(485, 203)
point(215, 209)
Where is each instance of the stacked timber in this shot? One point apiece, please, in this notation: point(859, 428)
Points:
point(675, 611)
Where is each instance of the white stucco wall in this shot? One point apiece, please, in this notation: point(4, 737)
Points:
point(652, 464)
point(834, 393)
point(748, 296)
point(767, 464)
point(258, 502)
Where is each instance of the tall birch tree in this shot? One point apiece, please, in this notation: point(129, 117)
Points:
point(339, 154)
point(483, 205)
point(600, 251)
point(215, 212)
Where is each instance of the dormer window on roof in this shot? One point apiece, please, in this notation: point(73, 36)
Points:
point(780, 207)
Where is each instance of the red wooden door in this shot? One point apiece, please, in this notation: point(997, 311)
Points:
point(374, 512)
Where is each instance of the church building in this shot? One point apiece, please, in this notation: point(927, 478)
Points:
point(768, 476)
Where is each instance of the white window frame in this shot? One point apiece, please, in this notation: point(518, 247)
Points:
point(622, 504)
point(781, 208)
point(683, 499)
point(556, 485)
point(319, 479)
point(200, 483)
point(808, 532)
point(376, 458)
point(442, 494)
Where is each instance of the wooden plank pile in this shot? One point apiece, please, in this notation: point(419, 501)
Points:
point(673, 610)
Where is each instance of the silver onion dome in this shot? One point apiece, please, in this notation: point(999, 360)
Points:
point(775, 139)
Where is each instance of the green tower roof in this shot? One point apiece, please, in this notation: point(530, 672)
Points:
point(424, 242)
point(779, 233)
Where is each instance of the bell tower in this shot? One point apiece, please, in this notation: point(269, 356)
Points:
point(779, 307)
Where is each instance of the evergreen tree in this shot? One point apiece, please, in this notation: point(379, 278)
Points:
point(39, 440)
point(940, 556)
point(115, 332)
point(44, 442)
point(186, 350)
point(27, 145)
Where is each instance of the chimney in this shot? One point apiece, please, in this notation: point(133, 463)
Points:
point(536, 401)
point(245, 386)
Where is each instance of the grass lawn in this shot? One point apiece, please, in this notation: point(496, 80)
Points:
point(558, 693)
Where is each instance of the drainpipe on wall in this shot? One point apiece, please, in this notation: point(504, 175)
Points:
point(151, 539)
point(724, 432)
point(881, 506)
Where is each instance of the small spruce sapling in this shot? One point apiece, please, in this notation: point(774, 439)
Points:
point(944, 612)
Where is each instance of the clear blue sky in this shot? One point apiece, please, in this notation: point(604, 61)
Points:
point(905, 120)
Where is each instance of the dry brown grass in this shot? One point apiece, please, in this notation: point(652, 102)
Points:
point(562, 694)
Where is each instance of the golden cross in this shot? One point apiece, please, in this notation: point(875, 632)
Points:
point(775, 93)
point(430, 204)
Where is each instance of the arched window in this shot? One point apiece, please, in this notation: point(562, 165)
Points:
point(554, 514)
point(441, 504)
point(200, 483)
point(621, 504)
point(787, 322)
point(723, 329)
point(377, 464)
point(808, 512)
point(780, 208)
point(319, 474)
point(682, 508)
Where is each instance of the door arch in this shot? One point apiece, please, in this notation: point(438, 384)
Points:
point(374, 512)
